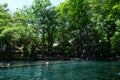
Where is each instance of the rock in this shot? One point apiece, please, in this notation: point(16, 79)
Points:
point(118, 74)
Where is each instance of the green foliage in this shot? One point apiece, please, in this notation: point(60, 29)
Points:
point(10, 35)
point(82, 28)
point(4, 17)
point(115, 42)
point(16, 34)
point(45, 21)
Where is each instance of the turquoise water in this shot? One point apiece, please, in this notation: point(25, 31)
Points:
point(63, 70)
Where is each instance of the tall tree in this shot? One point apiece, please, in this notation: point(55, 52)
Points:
point(64, 35)
point(79, 19)
point(45, 20)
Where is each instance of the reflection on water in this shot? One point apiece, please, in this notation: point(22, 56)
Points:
point(63, 70)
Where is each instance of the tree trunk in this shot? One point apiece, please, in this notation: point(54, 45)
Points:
point(43, 41)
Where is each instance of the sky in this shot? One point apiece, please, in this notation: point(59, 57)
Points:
point(14, 4)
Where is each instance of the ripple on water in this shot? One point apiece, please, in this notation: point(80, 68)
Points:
point(64, 70)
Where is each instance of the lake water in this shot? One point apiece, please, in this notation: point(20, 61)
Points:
point(62, 70)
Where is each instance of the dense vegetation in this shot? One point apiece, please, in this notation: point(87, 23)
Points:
point(88, 29)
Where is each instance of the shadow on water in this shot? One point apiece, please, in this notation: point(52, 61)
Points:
point(62, 70)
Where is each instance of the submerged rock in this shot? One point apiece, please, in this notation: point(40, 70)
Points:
point(118, 74)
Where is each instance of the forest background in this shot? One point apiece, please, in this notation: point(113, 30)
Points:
point(88, 29)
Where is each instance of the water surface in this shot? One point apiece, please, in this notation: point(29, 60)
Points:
point(62, 70)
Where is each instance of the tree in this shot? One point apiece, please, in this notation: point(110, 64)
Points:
point(45, 20)
point(20, 37)
point(63, 29)
point(4, 17)
point(115, 43)
point(79, 20)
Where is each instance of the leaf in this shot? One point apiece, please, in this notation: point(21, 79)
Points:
point(115, 7)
